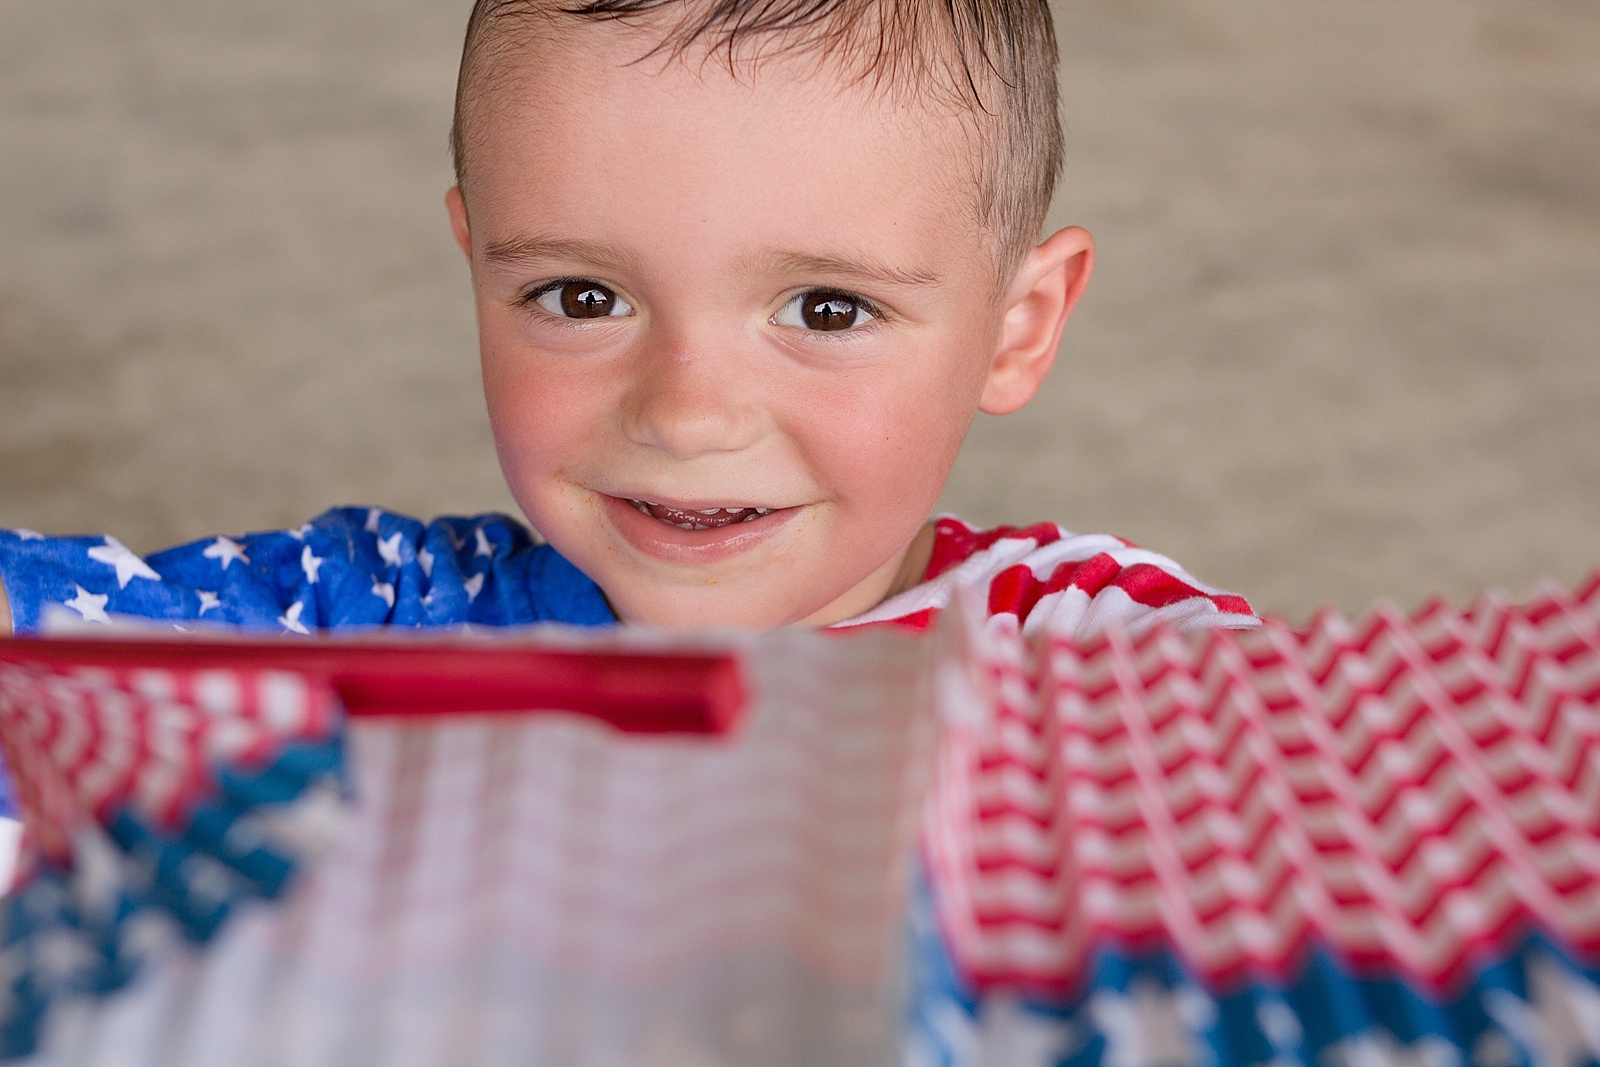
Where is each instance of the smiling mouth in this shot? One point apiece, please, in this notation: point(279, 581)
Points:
point(699, 519)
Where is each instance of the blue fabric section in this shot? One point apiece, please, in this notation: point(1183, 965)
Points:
point(348, 567)
point(1536, 1005)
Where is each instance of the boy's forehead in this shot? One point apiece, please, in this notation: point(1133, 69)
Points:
point(760, 165)
point(588, 78)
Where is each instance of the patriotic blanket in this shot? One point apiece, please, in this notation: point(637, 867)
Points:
point(1370, 843)
point(1366, 844)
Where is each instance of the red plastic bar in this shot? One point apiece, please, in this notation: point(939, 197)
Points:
point(636, 692)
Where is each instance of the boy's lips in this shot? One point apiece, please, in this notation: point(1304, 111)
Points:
point(690, 532)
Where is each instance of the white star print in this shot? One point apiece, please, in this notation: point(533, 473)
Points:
point(425, 558)
point(60, 956)
point(1378, 1048)
point(28, 535)
point(383, 590)
point(389, 549)
point(1279, 1024)
point(1150, 1026)
point(92, 606)
point(373, 515)
point(1004, 1034)
point(484, 547)
point(129, 566)
point(473, 586)
point(310, 562)
point(207, 600)
point(300, 534)
point(1559, 1024)
point(225, 550)
point(290, 620)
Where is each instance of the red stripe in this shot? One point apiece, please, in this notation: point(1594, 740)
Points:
point(955, 542)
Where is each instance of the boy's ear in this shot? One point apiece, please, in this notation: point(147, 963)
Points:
point(458, 219)
point(1036, 308)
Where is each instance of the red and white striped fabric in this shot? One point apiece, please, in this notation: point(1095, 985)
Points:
point(1043, 577)
point(84, 742)
point(1410, 791)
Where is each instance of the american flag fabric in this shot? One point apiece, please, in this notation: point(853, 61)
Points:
point(1044, 577)
point(1156, 837)
point(1370, 843)
point(348, 567)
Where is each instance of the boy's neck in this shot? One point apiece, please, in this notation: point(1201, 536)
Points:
point(906, 574)
point(915, 565)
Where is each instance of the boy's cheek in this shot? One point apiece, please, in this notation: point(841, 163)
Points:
point(539, 422)
point(887, 473)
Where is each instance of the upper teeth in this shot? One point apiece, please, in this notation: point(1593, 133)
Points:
point(705, 511)
point(743, 514)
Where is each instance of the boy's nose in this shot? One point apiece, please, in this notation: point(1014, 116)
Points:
point(689, 404)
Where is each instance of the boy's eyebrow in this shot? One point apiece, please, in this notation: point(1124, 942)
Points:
point(518, 250)
point(780, 262)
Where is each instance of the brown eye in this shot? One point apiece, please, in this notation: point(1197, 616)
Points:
point(828, 311)
point(581, 300)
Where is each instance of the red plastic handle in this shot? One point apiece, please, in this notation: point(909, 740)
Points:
point(637, 692)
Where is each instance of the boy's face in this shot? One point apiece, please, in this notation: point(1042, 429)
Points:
point(754, 306)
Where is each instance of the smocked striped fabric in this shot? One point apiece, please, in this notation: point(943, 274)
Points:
point(1369, 843)
point(1044, 577)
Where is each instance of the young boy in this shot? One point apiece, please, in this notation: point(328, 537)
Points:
point(744, 274)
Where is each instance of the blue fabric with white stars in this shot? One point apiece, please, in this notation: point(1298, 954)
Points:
point(348, 567)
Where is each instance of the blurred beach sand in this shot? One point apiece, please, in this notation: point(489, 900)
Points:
point(1342, 341)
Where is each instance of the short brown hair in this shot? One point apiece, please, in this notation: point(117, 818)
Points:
point(996, 58)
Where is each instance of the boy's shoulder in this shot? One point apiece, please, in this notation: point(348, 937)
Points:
point(1045, 576)
point(348, 567)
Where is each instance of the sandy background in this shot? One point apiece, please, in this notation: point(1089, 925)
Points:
point(1342, 343)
